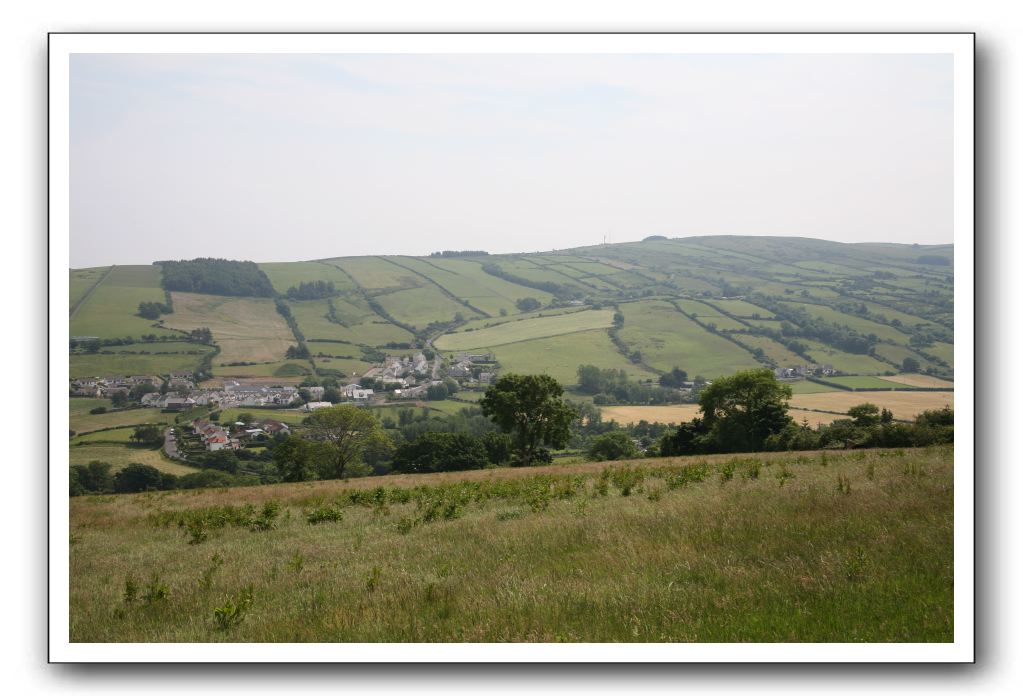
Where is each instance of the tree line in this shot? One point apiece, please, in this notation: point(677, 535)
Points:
point(216, 277)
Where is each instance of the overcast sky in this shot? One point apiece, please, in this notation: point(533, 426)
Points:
point(289, 157)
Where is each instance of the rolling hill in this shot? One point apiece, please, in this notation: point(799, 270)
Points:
point(710, 305)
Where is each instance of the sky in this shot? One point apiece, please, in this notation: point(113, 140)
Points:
point(294, 157)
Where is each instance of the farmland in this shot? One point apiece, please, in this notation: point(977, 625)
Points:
point(498, 567)
point(560, 356)
point(925, 381)
point(627, 415)
point(110, 310)
point(83, 422)
point(904, 405)
point(132, 363)
point(246, 329)
point(526, 330)
point(666, 338)
point(120, 456)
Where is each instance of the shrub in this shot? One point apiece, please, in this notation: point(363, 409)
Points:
point(234, 610)
point(324, 513)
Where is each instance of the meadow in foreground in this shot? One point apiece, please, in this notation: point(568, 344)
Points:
point(798, 547)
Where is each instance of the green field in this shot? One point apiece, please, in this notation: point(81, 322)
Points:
point(864, 326)
point(83, 422)
point(897, 354)
point(345, 365)
point(543, 556)
point(99, 365)
point(289, 369)
point(487, 322)
point(361, 324)
point(120, 436)
point(110, 310)
point(82, 281)
point(805, 386)
point(943, 351)
point(420, 306)
point(863, 383)
point(120, 456)
point(846, 362)
point(469, 288)
point(285, 275)
point(526, 330)
point(666, 339)
point(782, 356)
point(742, 309)
point(561, 356)
point(230, 415)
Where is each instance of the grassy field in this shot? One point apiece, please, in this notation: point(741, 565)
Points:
point(285, 275)
point(120, 456)
point(680, 413)
point(362, 325)
point(782, 356)
point(83, 422)
point(81, 281)
point(526, 329)
point(246, 329)
point(487, 322)
point(716, 549)
point(230, 415)
point(420, 306)
point(921, 381)
point(864, 326)
point(862, 382)
point(345, 365)
point(288, 370)
point(492, 286)
point(465, 288)
point(846, 362)
point(897, 354)
point(666, 338)
point(110, 311)
point(904, 405)
point(805, 386)
point(99, 365)
point(743, 309)
point(561, 356)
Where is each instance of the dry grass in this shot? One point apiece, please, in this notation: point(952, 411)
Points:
point(246, 329)
point(627, 415)
point(903, 405)
point(921, 381)
point(774, 551)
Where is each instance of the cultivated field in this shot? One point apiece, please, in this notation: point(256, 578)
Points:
point(904, 405)
point(526, 330)
point(861, 382)
point(132, 362)
point(925, 381)
point(761, 549)
point(681, 413)
point(246, 329)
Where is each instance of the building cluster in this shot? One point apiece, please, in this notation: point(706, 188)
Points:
point(217, 437)
point(801, 371)
point(108, 386)
point(401, 372)
point(472, 368)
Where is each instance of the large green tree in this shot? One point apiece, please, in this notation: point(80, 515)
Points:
point(343, 433)
point(743, 410)
point(531, 409)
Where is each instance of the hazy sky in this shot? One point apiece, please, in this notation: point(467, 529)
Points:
point(288, 157)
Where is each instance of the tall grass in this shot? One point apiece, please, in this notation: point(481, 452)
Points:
point(558, 554)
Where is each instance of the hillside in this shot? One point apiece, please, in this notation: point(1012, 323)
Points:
point(710, 305)
point(847, 547)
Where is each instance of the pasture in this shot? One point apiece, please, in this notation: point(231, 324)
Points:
point(246, 329)
point(527, 329)
point(864, 326)
point(120, 456)
point(361, 324)
point(666, 338)
point(782, 356)
point(81, 281)
point(469, 288)
point(852, 363)
point(421, 306)
point(81, 421)
point(540, 555)
point(110, 311)
point(854, 382)
point(289, 274)
point(561, 356)
point(289, 371)
point(99, 364)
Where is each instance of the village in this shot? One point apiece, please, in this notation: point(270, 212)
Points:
point(397, 378)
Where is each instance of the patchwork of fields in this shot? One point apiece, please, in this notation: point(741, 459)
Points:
point(525, 330)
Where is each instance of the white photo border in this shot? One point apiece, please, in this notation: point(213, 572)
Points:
point(959, 45)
